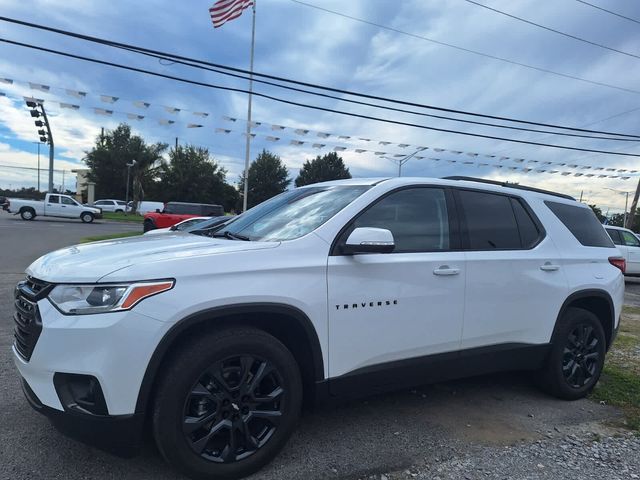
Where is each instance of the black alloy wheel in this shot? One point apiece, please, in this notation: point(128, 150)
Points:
point(581, 356)
point(227, 402)
point(576, 355)
point(234, 408)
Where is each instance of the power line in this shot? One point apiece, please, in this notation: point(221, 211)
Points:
point(609, 11)
point(468, 50)
point(549, 29)
point(313, 107)
point(193, 62)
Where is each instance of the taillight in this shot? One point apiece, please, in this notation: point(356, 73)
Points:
point(618, 262)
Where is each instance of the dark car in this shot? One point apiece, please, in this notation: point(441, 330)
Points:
point(175, 212)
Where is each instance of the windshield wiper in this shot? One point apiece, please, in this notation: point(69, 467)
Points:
point(230, 236)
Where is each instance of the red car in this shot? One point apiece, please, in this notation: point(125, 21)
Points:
point(175, 212)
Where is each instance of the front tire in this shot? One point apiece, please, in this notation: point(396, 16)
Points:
point(148, 225)
point(86, 217)
point(577, 356)
point(227, 403)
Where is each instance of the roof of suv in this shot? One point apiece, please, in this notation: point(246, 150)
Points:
point(613, 227)
point(469, 182)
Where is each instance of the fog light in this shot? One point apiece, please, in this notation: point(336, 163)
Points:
point(80, 393)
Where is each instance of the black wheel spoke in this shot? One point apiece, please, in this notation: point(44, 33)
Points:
point(191, 424)
point(250, 441)
point(273, 416)
point(274, 395)
point(201, 444)
point(201, 391)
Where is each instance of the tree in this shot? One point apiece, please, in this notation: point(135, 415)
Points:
point(322, 169)
point(598, 211)
point(107, 162)
point(617, 219)
point(268, 177)
point(192, 175)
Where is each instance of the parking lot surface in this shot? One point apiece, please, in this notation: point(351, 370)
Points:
point(486, 427)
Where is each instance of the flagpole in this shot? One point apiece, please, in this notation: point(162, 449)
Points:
point(247, 150)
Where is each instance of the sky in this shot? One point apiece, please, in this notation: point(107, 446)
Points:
point(311, 45)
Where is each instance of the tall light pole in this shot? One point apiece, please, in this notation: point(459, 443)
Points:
point(37, 111)
point(126, 200)
point(626, 203)
point(39, 143)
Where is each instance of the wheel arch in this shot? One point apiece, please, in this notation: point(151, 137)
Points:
point(598, 302)
point(286, 323)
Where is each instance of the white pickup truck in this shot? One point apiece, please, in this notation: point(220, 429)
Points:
point(54, 205)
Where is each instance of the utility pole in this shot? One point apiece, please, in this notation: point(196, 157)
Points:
point(37, 111)
point(62, 182)
point(126, 200)
point(634, 206)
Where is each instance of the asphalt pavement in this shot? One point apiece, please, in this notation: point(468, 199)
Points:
point(430, 426)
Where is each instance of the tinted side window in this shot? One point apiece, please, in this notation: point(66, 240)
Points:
point(582, 223)
point(615, 236)
point(629, 239)
point(54, 199)
point(491, 222)
point(416, 217)
point(529, 232)
point(67, 201)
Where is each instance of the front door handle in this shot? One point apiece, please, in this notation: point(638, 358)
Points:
point(445, 270)
point(549, 267)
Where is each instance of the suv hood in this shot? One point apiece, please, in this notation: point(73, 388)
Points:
point(92, 261)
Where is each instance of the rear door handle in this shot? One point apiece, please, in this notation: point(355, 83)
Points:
point(445, 270)
point(549, 267)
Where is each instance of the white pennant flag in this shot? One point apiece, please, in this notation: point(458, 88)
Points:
point(6, 80)
point(269, 138)
point(102, 111)
point(141, 104)
point(172, 110)
point(296, 142)
point(318, 145)
point(403, 145)
point(344, 137)
point(277, 127)
point(222, 130)
point(76, 93)
point(384, 143)
point(108, 99)
point(301, 131)
point(194, 125)
point(360, 150)
point(229, 119)
point(133, 116)
point(70, 106)
point(39, 86)
point(201, 114)
point(255, 124)
point(164, 121)
point(252, 135)
point(324, 135)
point(339, 149)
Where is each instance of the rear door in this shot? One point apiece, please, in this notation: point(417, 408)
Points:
point(615, 235)
point(515, 285)
point(53, 208)
point(386, 307)
point(632, 244)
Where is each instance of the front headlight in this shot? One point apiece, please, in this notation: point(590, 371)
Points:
point(85, 299)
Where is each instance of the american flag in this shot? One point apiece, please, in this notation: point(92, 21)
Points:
point(224, 10)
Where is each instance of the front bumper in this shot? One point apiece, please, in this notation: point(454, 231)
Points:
point(121, 435)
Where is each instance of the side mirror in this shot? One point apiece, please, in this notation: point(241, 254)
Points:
point(369, 240)
point(158, 210)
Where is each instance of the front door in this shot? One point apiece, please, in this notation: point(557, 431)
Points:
point(408, 304)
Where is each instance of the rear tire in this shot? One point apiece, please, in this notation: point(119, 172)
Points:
point(86, 217)
point(227, 403)
point(577, 356)
point(119, 211)
point(27, 214)
point(148, 225)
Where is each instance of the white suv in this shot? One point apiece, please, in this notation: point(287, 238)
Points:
point(629, 245)
point(330, 290)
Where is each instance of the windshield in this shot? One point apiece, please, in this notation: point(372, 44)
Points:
point(292, 214)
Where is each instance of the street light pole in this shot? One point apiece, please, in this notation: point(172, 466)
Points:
point(51, 146)
point(126, 200)
point(38, 143)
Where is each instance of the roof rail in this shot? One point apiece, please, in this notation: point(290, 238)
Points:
point(509, 185)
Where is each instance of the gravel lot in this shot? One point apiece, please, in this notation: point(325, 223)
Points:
point(487, 427)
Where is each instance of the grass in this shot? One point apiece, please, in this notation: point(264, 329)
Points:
point(121, 217)
point(620, 381)
point(110, 236)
